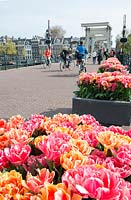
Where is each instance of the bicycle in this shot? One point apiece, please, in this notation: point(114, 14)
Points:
point(65, 64)
point(81, 65)
point(47, 63)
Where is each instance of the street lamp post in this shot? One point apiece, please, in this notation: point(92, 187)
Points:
point(5, 53)
point(48, 35)
point(123, 40)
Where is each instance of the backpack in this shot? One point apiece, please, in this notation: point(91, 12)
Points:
point(79, 56)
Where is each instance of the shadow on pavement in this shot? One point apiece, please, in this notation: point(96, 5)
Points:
point(55, 70)
point(52, 112)
point(64, 75)
point(47, 69)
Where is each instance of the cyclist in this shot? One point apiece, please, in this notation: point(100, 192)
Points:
point(47, 55)
point(65, 57)
point(81, 53)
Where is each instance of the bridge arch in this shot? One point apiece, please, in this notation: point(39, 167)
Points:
point(97, 36)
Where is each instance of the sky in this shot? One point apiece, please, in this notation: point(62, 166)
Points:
point(27, 18)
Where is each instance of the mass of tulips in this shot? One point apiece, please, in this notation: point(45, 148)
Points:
point(111, 82)
point(66, 157)
point(105, 86)
point(112, 64)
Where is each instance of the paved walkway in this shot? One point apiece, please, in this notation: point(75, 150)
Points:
point(30, 90)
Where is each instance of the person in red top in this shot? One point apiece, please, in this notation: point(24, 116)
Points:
point(47, 55)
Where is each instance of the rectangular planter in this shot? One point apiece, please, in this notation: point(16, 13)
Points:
point(106, 112)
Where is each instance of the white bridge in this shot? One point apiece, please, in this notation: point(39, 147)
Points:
point(97, 36)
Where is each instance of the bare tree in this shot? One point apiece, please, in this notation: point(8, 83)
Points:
point(57, 32)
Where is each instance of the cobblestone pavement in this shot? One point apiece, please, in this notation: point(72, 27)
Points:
point(31, 90)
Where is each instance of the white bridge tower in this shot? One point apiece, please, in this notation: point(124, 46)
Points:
point(97, 35)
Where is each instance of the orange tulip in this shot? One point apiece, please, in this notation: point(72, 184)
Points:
point(124, 139)
point(16, 121)
point(58, 192)
point(4, 142)
point(64, 130)
point(11, 184)
point(82, 146)
point(109, 140)
point(72, 160)
point(18, 136)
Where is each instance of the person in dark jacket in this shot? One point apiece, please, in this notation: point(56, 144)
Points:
point(99, 56)
point(65, 57)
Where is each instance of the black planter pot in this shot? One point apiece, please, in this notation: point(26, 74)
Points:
point(106, 112)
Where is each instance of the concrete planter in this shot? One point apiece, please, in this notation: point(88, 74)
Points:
point(106, 112)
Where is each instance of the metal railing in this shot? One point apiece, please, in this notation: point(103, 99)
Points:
point(6, 64)
point(125, 59)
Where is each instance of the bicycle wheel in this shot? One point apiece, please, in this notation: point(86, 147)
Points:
point(60, 65)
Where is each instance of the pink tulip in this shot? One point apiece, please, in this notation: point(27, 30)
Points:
point(34, 123)
point(125, 190)
point(55, 145)
point(90, 137)
point(117, 129)
point(124, 154)
point(3, 160)
point(99, 183)
point(128, 132)
point(18, 153)
point(115, 165)
point(33, 161)
point(88, 119)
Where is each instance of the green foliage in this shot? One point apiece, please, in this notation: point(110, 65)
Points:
point(38, 132)
point(128, 178)
point(18, 168)
point(1, 49)
point(8, 48)
point(58, 171)
point(100, 147)
point(91, 91)
point(127, 45)
point(103, 69)
point(34, 151)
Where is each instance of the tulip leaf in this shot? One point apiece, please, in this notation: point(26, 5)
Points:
point(50, 164)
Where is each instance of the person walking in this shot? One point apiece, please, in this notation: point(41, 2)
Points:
point(120, 56)
point(99, 56)
point(106, 54)
point(112, 53)
point(94, 54)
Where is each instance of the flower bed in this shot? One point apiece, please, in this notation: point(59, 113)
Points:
point(105, 95)
point(67, 157)
point(111, 65)
point(114, 86)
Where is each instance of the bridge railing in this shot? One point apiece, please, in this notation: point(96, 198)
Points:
point(125, 59)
